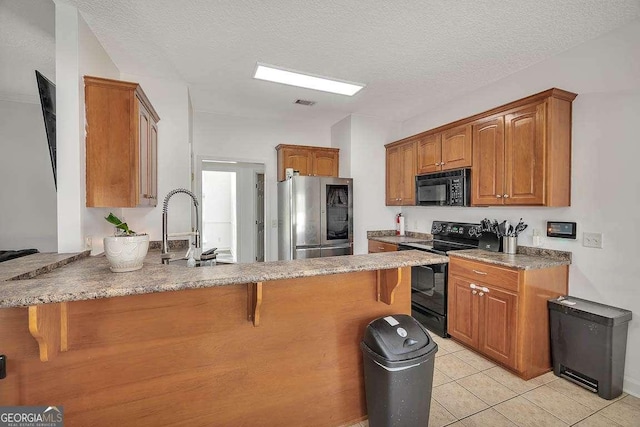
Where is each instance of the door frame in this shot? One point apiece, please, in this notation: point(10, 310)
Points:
point(230, 162)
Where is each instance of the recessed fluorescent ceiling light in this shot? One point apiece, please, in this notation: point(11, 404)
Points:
point(295, 78)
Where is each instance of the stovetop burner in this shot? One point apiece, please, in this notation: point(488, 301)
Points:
point(449, 236)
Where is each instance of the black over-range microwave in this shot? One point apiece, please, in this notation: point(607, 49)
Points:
point(451, 188)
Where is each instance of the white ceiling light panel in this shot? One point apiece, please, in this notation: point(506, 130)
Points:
point(308, 81)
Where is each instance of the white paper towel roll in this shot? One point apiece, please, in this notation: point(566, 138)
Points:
point(402, 226)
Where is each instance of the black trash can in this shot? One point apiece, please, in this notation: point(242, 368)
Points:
point(588, 344)
point(398, 355)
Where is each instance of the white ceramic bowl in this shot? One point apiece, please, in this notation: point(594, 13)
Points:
point(126, 253)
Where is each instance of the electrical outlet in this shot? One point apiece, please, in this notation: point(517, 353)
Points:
point(88, 243)
point(592, 240)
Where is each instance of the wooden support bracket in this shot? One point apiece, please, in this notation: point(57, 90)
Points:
point(48, 323)
point(254, 301)
point(387, 282)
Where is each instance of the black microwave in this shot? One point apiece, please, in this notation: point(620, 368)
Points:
point(451, 188)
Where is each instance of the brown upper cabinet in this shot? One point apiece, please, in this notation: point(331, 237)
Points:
point(121, 144)
point(523, 157)
point(309, 161)
point(450, 149)
point(400, 176)
point(519, 153)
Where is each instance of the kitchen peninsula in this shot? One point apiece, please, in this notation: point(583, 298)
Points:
point(249, 344)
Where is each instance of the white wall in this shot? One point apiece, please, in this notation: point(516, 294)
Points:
point(252, 140)
point(363, 138)
point(341, 138)
point(70, 198)
point(605, 73)
point(27, 191)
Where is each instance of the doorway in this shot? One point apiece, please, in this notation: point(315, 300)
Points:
point(233, 209)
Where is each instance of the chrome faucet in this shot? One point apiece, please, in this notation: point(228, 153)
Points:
point(166, 256)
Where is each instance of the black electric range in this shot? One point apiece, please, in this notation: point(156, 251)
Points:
point(429, 282)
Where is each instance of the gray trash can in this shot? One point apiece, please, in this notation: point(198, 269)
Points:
point(588, 344)
point(398, 355)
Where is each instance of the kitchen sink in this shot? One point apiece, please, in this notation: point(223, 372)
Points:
point(183, 263)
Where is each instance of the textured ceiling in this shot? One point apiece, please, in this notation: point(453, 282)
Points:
point(412, 55)
point(27, 43)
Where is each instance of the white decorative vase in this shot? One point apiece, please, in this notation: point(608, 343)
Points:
point(126, 253)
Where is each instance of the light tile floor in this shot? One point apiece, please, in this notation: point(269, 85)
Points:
point(470, 391)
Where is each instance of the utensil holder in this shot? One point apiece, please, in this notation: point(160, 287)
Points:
point(509, 244)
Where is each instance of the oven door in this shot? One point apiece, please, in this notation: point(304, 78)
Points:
point(432, 192)
point(429, 287)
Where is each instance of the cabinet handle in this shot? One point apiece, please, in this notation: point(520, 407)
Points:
point(474, 292)
point(437, 163)
point(442, 163)
point(480, 272)
point(481, 293)
point(473, 286)
point(381, 247)
point(505, 196)
point(485, 290)
point(498, 196)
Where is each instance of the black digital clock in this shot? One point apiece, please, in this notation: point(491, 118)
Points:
point(565, 230)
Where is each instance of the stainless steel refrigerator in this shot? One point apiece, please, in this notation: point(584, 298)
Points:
point(315, 217)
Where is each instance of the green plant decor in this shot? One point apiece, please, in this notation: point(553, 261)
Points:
point(119, 224)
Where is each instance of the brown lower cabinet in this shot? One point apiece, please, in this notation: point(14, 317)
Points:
point(376, 246)
point(502, 312)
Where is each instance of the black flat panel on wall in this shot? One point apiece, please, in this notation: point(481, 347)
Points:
point(47, 91)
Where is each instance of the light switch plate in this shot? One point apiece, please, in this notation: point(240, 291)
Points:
point(592, 240)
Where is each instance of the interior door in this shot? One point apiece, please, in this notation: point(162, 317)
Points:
point(260, 217)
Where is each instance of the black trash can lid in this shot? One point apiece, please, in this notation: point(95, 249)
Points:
point(590, 310)
point(398, 337)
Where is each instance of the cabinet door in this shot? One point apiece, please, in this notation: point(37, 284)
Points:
point(325, 163)
point(393, 176)
point(299, 159)
point(408, 180)
point(376, 247)
point(153, 164)
point(463, 311)
point(499, 325)
point(144, 126)
point(524, 156)
point(488, 163)
point(429, 154)
point(456, 148)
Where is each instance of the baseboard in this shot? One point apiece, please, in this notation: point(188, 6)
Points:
point(631, 386)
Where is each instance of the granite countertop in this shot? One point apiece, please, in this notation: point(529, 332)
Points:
point(34, 265)
point(526, 258)
point(90, 278)
point(389, 236)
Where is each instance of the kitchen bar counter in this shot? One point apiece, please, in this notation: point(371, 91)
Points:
point(526, 259)
point(230, 345)
point(91, 278)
